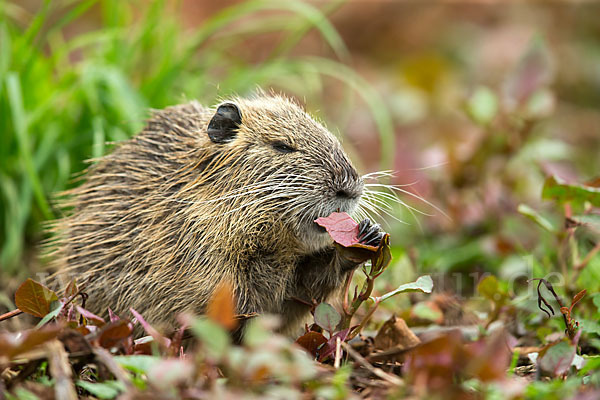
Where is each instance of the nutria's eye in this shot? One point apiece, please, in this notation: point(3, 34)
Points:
point(283, 148)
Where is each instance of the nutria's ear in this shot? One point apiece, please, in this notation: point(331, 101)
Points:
point(224, 124)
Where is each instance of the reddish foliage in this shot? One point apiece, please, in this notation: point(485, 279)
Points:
point(12, 344)
point(91, 317)
point(437, 364)
point(150, 330)
point(34, 298)
point(114, 333)
point(329, 347)
point(312, 341)
point(341, 227)
point(221, 307)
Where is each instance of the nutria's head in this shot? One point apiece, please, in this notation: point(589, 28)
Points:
point(290, 168)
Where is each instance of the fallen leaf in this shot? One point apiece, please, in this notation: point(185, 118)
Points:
point(433, 365)
point(394, 333)
point(12, 344)
point(488, 358)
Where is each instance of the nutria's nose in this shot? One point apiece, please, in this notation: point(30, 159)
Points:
point(353, 191)
point(342, 193)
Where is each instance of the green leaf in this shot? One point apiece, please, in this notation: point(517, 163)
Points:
point(215, 339)
point(21, 394)
point(596, 300)
point(140, 364)
point(591, 220)
point(589, 326)
point(557, 189)
point(533, 215)
point(424, 311)
point(423, 284)
point(259, 330)
point(482, 106)
point(56, 307)
point(102, 390)
point(383, 257)
point(488, 288)
point(540, 104)
point(327, 317)
point(592, 363)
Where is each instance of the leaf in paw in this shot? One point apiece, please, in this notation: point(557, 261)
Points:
point(355, 242)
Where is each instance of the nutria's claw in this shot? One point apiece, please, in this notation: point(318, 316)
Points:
point(370, 233)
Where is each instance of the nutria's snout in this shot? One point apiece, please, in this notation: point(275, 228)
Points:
point(347, 190)
point(344, 197)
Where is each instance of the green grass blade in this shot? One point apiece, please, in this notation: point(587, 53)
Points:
point(18, 203)
point(373, 100)
point(15, 98)
point(73, 14)
point(312, 18)
point(37, 23)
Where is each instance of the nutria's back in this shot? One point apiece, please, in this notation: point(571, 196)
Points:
point(205, 195)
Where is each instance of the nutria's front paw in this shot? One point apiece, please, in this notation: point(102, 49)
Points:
point(370, 233)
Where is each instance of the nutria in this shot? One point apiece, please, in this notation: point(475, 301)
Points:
point(203, 195)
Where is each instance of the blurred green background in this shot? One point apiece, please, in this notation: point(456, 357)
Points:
point(470, 104)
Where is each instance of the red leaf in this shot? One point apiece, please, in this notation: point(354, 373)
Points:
point(90, 316)
point(577, 297)
point(112, 316)
point(114, 333)
point(150, 330)
point(344, 232)
point(488, 357)
point(329, 347)
point(34, 298)
point(341, 227)
point(311, 342)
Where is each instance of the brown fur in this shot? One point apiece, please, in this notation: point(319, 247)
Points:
point(169, 214)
